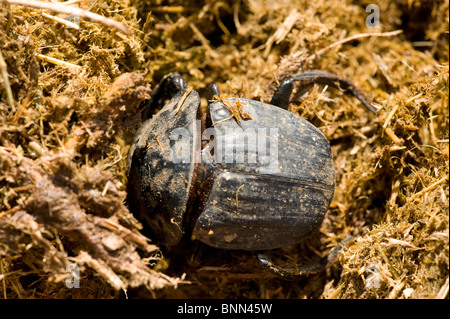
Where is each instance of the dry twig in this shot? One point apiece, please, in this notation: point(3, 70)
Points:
point(4, 73)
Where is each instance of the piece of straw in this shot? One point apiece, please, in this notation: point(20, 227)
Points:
point(62, 8)
point(354, 37)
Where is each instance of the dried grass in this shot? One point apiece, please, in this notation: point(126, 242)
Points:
point(70, 105)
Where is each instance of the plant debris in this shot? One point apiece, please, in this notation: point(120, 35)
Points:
point(72, 89)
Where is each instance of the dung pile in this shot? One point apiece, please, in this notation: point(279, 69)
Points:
point(71, 92)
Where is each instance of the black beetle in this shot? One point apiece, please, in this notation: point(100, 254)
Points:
point(243, 175)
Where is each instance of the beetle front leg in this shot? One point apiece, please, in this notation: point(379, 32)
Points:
point(300, 270)
point(283, 93)
point(211, 91)
point(170, 85)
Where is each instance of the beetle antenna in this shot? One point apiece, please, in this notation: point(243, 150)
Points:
point(282, 95)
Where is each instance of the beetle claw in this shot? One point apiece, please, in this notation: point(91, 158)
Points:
point(300, 270)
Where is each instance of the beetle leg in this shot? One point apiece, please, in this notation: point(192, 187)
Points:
point(282, 95)
point(212, 90)
point(171, 84)
point(301, 270)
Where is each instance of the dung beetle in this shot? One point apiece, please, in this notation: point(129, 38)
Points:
point(242, 175)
